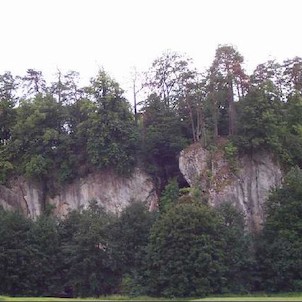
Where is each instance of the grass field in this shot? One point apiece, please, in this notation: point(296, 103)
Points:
point(284, 297)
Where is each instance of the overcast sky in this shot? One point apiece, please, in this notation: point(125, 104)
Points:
point(84, 35)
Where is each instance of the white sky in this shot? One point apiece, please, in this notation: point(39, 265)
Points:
point(83, 35)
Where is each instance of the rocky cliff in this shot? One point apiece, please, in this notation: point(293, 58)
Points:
point(110, 190)
point(246, 182)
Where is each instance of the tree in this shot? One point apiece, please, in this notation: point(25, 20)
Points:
point(226, 74)
point(185, 252)
point(136, 78)
point(129, 237)
point(162, 140)
point(46, 275)
point(167, 76)
point(33, 83)
point(8, 86)
point(179, 87)
point(88, 269)
point(261, 120)
point(66, 87)
point(191, 106)
point(268, 77)
point(36, 135)
point(238, 257)
point(292, 76)
point(292, 143)
point(280, 245)
point(110, 129)
point(16, 254)
point(269, 115)
point(166, 120)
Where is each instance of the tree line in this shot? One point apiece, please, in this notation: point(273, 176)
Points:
point(187, 249)
point(56, 132)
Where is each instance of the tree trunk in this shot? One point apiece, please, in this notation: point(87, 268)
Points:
point(192, 121)
point(135, 104)
point(231, 108)
point(215, 118)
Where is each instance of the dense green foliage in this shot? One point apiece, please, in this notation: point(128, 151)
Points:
point(55, 133)
point(280, 244)
point(54, 141)
point(16, 253)
point(191, 252)
point(178, 253)
point(129, 239)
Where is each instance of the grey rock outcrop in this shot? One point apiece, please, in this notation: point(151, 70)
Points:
point(107, 188)
point(22, 195)
point(246, 186)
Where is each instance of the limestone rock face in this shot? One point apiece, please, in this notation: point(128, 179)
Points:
point(246, 185)
point(107, 188)
point(22, 195)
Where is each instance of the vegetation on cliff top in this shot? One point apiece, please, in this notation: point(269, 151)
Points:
point(59, 131)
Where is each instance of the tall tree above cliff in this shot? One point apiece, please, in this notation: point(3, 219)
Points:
point(285, 77)
point(8, 87)
point(66, 87)
point(269, 77)
point(227, 74)
point(172, 112)
point(191, 108)
point(293, 139)
point(33, 83)
point(261, 119)
point(167, 77)
point(36, 136)
point(292, 76)
point(110, 129)
point(178, 85)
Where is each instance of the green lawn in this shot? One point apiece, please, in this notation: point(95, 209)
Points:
point(109, 298)
point(290, 297)
point(36, 299)
point(250, 299)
